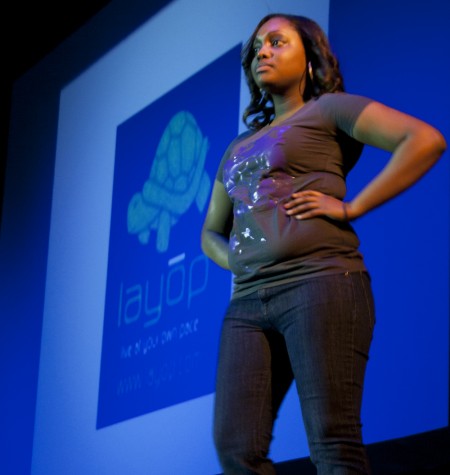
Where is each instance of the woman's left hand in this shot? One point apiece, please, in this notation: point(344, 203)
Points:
point(310, 203)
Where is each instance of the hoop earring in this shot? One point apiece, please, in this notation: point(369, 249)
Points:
point(310, 71)
point(264, 95)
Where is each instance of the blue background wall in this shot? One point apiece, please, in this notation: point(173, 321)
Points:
point(394, 51)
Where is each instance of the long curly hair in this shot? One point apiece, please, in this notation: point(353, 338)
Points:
point(326, 75)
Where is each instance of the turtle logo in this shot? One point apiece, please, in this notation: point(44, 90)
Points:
point(177, 178)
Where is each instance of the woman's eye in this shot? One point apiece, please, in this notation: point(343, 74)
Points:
point(275, 42)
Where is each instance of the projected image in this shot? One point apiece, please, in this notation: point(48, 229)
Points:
point(164, 299)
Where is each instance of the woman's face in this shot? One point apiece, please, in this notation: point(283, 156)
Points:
point(279, 63)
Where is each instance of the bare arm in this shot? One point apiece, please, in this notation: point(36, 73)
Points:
point(415, 145)
point(217, 226)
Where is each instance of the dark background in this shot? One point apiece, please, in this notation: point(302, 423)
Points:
point(31, 30)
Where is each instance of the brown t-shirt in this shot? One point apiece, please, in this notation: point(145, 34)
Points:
point(311, 150)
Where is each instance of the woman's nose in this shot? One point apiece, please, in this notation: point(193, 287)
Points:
point(263, 52)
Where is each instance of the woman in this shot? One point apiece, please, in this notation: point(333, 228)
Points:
point(302, 306)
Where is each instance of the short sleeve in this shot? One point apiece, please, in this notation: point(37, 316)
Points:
point(341, 110)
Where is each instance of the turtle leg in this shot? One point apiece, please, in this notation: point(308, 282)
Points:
point(144, 236)
point(162, 239)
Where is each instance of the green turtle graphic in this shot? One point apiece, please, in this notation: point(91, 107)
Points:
point(177, 178)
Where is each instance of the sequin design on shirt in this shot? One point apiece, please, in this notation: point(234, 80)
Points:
point(256, 182)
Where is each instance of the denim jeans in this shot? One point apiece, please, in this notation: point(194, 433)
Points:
point(315, 331)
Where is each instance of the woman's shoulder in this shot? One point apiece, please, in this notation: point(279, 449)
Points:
point(342, 100)
point(341, 109)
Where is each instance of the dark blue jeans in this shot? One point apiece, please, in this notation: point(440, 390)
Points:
point(317, 332)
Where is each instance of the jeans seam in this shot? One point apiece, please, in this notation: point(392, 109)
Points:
point(352, 374)
point(369, 306)
point(259, 436)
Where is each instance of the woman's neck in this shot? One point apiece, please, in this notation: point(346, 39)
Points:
point(285, 107)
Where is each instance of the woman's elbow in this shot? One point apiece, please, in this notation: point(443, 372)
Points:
point(441, 144)
point(429, 143)
point(436, 142)
point(204, 242)
point(207, 243)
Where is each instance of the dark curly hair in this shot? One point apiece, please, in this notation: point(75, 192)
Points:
point(326, 76)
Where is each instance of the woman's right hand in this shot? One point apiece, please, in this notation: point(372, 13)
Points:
point(310, 203)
